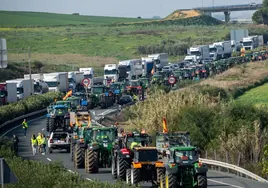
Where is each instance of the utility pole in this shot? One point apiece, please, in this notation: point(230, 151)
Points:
point(30, 68)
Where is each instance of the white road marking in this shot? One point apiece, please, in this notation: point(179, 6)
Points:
point(70, 171)
point(89, 179)
point(4, 134)
point(49, 159)
point(219, 182)
point(43, 129)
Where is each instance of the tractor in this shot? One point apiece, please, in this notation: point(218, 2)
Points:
point(122, 154)
point(183, 169)
point(93, 150)
point(117, 91)
point(58, 117)
point(100, 96)
point(75, 102)
point(145, 166)
point(66, 103)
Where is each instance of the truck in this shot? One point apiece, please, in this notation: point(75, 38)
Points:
point(111, 72)
point(3, 94)
point(75, 78)
point(88, 73)
point(160, 60)
point(227, 48)
point(24, 87)
point(191, 58)
point(11, 92)
point(40, 86)
point(57, 81)
point(215, 52)
point(133, 68)
point(147, 65)
point(260, 40)
point(251, 42)
point(237, 37)
point(201, 52)
point(34, 76)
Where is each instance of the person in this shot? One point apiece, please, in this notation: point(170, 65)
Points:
point(15, 143)
point(134, 144)
point(184, 157)
point(25, 126)
point(43, 144)
point(34, 144)
point(39, 142)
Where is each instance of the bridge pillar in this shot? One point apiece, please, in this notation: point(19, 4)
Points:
point(227, 16)
point(208, 13)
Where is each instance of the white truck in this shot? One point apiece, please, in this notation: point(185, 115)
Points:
point(227, 48)
point(260, 40)
point(215, 52)
point(11, 92)
point(147, 65)
point(191, 58)
point(201, 52)
point(111, 72)
point(57, 81)
point(160, 60)
point(133, 68)
point(24, 87)
point(75, 78)
point(40, 86)
point(251, 42)
point(87, 72)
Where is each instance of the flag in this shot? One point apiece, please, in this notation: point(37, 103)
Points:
point(165, 130)
point(68, 94)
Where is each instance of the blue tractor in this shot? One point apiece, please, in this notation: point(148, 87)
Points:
point(58, 117)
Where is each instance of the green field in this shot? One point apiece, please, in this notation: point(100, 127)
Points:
point(258, 96)
point(33, 19)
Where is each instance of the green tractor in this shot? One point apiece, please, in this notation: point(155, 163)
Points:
point(145, 81)
point(66, 103)
point(75, 102)
point(183, 169)
point(94, 148)
point(100, 96)
point(157, 78)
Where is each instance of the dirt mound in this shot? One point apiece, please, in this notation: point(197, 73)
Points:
point(178, 14)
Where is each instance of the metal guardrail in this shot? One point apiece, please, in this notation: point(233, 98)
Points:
point(233, 167)
point(22, 117)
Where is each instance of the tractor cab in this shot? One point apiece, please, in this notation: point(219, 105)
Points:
point(184, 155)
point(59, 110)
point(134, 87)
point(75, 102)
point(145, 81)
point(65, 103)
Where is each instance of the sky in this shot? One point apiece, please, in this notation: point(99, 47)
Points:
point(118, 8)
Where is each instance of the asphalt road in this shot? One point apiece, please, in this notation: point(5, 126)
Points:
point(215, 179)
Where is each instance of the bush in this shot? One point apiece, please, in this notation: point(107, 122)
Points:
point(36, 174)
point(28, 105)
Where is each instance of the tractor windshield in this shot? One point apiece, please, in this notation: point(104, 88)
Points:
point(60, 111)
point(97, 90)
point(64, 103)
point(135, 84)
point(101, 135)
point(143, 140)
point(181, 155)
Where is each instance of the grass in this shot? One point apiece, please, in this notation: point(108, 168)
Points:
point(41, 19)
point(258, 96)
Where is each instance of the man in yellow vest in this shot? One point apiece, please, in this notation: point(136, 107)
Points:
point(25, 126)
point(39, 142)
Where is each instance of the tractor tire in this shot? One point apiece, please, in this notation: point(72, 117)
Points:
point(114, 173)
point(79, 155)
point(128, 176)
point(202, 181)
point(51, 125)
point(72, 147)
point(92, 161)
point(160, 172)
point(121, 165)
point(171, 181)
point(135, 176)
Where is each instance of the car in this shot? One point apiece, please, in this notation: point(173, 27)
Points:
point(175, 66)
point(125, 99)
point(167, 68)
point(59, 140)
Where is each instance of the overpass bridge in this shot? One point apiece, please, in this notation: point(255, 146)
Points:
point(227, 9)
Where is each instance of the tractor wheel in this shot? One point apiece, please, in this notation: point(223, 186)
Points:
point(92, 161)
point(114, 174)
point(128, 176)
point(202, 181)
point(72, 146)
point(160, 175)
point(79, 155)
point(171, 180)
point(135, 176)
point(51, 125)
point(121, 165)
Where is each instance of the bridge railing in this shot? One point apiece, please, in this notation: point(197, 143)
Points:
point(234, 168)
point(227, 7)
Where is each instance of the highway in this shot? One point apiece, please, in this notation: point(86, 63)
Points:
point(215, 179)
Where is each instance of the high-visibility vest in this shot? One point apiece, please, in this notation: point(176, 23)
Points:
point(39, 140)
point(43, 140)
point(34, 142)
point(24, 124)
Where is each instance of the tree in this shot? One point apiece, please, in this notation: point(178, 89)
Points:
point(257, 17)
point(261, 16)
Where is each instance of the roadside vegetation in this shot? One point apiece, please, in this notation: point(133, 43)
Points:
point(32, 173)
point(221, 127)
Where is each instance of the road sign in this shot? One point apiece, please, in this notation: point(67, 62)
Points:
point(6, 174)
point(86, 82)
point(172, 80)
point(109, 81)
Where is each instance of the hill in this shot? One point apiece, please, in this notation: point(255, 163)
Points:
point(178, 14)
point(34, 19)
